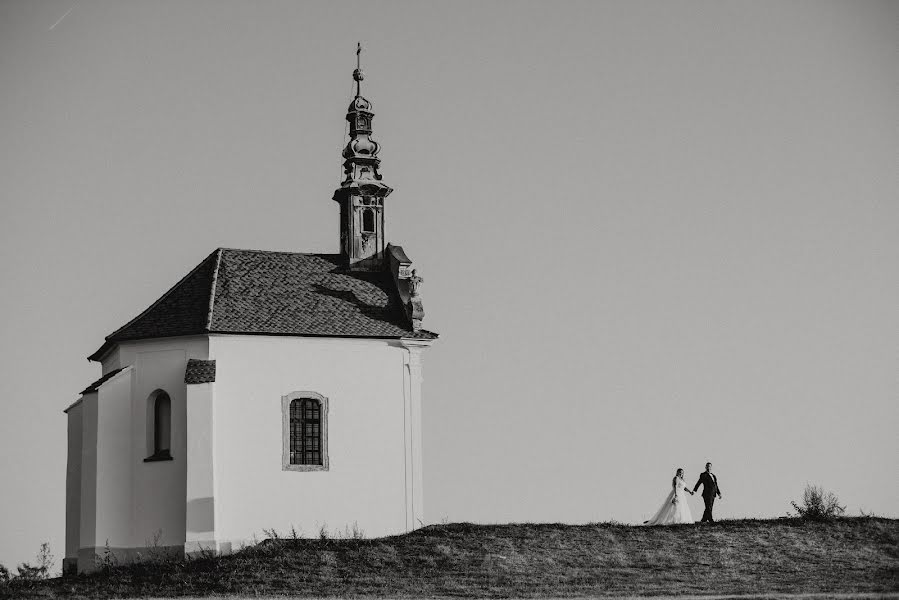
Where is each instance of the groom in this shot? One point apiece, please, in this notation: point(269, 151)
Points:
point(710, 489)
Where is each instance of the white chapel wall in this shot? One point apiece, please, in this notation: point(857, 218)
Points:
point(74, 418)
point(112, 361)
point(122, 502)
point(87, 529)
point(113, 464)
point(374, 478)
point(367, 480)
point(159, 488)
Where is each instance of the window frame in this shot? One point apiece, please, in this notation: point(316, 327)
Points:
point(285, 431)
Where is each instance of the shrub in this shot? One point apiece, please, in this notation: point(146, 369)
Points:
point(818, 505)
point(28, 572)
point(4, 575)
point(357, 533)
point(45, 558)
point(108, 560)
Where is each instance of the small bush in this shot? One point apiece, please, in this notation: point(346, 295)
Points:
point(45, 558)
point(357, 533)
point(37, 572)
point(108, 560)
point(354, 533)
point(4, 576)
point(29, 572)
point(818, 504)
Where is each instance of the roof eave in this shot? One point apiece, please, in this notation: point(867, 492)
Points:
point(109, 344)
point(324, 335)
point(75, 403)
point(102, 351)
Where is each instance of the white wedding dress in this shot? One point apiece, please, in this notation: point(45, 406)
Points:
point(674, 509)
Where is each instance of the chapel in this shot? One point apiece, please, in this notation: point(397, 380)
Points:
point(264, 390)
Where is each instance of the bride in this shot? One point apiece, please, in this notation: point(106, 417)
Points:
point(674, 510)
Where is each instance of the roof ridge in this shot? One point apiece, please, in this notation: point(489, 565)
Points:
point(164, 296)
point(215, 276)
point(281, 252)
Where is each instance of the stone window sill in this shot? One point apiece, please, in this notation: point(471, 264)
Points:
point(159, 456)
point(304, 467)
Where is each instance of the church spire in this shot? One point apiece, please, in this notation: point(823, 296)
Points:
point(361, 193)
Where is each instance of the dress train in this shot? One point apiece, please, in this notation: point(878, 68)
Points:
point(671, 512)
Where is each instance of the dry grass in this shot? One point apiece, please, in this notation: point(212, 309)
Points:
point(760, 558)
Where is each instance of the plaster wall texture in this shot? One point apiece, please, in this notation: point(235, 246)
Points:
point(158, 508)
point(111, 509)
point(74, 418)
point(412, 388)
point(200, 515)
point(88, 497)
point(111, 361)
point(370, 445)
point(124, 353)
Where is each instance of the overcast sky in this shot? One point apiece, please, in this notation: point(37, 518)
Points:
point(652, 233)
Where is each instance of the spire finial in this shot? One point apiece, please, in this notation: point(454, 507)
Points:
point(357, 74)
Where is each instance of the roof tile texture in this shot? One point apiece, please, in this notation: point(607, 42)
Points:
point(199, 371)
point(96, 385)
point(275, 293)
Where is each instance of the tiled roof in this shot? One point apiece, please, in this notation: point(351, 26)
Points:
point(274, 293)
point(96, 385)
point(199, 371)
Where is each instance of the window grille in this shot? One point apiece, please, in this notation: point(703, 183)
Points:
point(305, 432)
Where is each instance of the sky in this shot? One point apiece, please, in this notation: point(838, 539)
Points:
point(652, 234)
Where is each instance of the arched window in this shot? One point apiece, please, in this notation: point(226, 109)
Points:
point(368, 221)
point(159, 421)
point(305, 432)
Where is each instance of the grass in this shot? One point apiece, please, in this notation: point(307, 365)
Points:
point(760, 558)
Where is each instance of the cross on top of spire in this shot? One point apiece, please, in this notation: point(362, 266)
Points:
point(358, 75)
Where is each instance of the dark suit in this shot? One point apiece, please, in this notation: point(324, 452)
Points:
point(710, 489)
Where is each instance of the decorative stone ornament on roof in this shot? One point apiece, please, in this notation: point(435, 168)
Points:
point(369, 290)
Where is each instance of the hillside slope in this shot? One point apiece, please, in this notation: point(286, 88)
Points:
point(526, 560)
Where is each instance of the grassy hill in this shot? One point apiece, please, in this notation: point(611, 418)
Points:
point(783, 556)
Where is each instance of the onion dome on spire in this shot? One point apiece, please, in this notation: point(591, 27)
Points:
point(361, 152)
